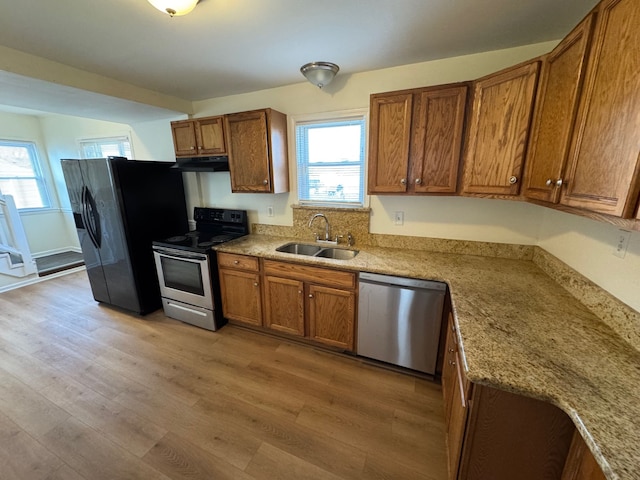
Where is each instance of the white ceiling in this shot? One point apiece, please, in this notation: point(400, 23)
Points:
point(234, 46)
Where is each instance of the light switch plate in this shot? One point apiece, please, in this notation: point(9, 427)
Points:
point(270, 211)
point(398, 218)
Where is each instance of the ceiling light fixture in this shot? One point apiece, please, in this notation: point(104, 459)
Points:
point(174, 8)
point(320, 73)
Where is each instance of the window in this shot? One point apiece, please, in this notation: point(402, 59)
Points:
point(330, 158)
point(106, 147)
point(20, 175)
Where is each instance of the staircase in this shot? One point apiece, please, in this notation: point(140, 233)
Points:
point(15, 256)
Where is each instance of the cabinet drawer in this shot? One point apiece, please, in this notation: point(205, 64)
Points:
point(317, 275)
point(242, 262)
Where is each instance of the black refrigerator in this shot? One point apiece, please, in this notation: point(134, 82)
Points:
point(119, 207)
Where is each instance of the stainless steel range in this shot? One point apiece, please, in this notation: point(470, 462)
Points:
point(187, 266)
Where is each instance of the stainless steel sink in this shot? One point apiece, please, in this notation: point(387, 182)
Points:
point(299, 249)
point(337, 253)
point(317, 251)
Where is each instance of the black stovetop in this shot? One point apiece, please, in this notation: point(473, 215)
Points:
point(213, 227)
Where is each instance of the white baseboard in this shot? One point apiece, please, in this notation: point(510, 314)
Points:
point(56, 250)
point(37, 279)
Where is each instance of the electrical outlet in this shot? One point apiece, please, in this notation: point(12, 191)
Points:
point(398, 218)
point(622, 242)
point(270, 211)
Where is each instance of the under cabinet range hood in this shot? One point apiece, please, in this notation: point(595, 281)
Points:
point(202, 164)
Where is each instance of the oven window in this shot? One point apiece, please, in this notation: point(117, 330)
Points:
point(182, 275)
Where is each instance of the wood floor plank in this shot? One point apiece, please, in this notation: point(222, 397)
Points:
point(119, 424)
point(93, 456)
point(27, 368)
point(236, 445)
point(65, 472)
point(180, 459)
point(21, 456)
point(28, 408)
point(90, 373)
point(271, 463)
point(314, 447)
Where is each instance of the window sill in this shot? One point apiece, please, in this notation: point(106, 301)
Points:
point(331, 207)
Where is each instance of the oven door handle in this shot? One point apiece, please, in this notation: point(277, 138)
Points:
point(182, 255)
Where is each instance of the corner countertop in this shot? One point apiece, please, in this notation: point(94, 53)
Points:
point(519, 331)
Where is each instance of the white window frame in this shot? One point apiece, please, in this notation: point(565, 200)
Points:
point(336, 116)
point(120, 139)
point(38, 175)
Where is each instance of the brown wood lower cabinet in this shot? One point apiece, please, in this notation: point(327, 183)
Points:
point(315, 303)
point(581, 465)
point(498, 435)
point(240, 288)
point(311, 302)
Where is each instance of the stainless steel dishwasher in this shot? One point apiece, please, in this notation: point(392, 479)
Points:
point(399, 320)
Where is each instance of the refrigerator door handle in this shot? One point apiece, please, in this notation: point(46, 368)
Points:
point(91, 221)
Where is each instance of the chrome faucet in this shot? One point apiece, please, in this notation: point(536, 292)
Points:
point(327, 236)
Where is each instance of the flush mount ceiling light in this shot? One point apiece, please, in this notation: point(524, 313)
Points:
point(174, 8)
point(320, 73)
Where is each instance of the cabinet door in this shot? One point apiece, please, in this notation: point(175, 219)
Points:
point(389, 138)
point(248, 151)
point(241, 298)
point(457, 422)
point(332, 316)
point(556, 107)
point(604, 160)
point(509, 436)
point(449, 371)
point(437, 140)
point(502, 107)
point(284, 305)
point(581, 465)
point(184, 138)
point(211, 138)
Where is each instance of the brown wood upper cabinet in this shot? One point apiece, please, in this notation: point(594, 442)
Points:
point(556, 106)
point(604, 159)
point(499, 129)
point(415, 140)
point(199, 137)
point(258, 151)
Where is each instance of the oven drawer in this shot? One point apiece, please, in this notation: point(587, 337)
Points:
point(198, 316)
point(242, 262)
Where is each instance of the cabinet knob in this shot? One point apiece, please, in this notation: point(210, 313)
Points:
point(255, 284)
point(451, 350)
point(559, 182)
point(310, 295)
point(513, 180)
point(265, 182)
point(418, 181)
point(549, 182)
point(236, 262)
point(300, 291)
point(403, 181)
point(193, 148)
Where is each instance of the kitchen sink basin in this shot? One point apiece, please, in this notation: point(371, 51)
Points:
point(337, 253)
point(299, 249)
point(317, 251)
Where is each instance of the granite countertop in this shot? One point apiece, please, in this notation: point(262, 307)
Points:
point(520, 331)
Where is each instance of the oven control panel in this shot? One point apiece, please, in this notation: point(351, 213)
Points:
point(219, 215)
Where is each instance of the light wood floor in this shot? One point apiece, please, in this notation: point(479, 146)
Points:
point(87, 392)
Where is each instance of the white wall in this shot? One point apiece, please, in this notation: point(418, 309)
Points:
point(46, 230)
point(587, 246)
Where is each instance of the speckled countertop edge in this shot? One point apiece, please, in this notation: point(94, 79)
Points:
point(522, 332)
